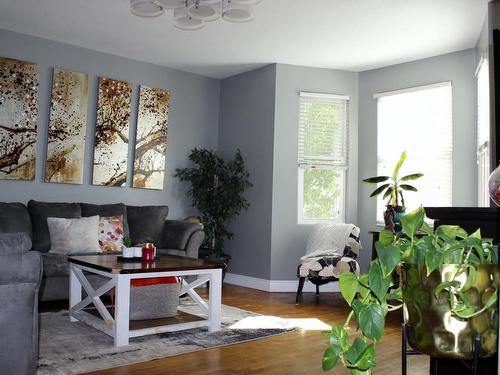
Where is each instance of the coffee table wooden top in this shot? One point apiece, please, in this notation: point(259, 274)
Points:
point(165, 263)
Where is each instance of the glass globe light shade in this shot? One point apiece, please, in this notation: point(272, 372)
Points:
point(184, 21)
point(145, 8)
point(237, 13)
point(203, 12)
point(494, 186)
point(171, 4)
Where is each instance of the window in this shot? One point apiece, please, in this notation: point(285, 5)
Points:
point(322, 158)
point(483, 132)
point(417, 120)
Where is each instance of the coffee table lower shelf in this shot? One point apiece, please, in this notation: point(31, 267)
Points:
point(119, 325)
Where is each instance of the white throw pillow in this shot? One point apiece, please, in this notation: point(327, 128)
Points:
point(73, 236)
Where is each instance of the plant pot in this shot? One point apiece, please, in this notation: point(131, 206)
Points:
point(432, 329)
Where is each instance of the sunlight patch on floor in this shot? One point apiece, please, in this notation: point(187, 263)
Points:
point(273, 322)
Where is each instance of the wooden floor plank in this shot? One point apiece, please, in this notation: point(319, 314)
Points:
point(295, 353)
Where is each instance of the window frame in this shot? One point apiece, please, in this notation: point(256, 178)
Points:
point(342, 169)
point(377, 96)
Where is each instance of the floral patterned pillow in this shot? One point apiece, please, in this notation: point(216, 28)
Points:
point(111, 233)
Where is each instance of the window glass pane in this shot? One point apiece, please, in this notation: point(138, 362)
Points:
point(419, 122)
point(322, 193)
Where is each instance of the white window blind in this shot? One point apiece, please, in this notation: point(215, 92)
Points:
point(322, 157)
point(418, 120)
point(483, 132)
point(323, 129)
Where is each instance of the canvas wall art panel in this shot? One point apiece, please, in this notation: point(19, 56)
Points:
point(18, 119)
point(151, 138)
point(67, 125)
point(112, 132)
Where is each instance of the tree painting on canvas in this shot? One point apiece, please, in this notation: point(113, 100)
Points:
point(18, 119)
point(112, 132)
point(67, 125)
point(151, 138)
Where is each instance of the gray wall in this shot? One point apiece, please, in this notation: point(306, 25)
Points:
point(193, 120)
point(247, 123)
point(456, 67)
point(289, 238)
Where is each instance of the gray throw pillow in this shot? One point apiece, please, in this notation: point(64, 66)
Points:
point(74, 236)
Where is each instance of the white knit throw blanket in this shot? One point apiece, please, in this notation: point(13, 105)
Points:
point(327, 240)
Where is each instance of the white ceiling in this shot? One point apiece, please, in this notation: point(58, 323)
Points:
point(343, 34)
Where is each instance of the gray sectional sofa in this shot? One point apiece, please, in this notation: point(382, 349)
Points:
point(20, 274)
point(140, 223)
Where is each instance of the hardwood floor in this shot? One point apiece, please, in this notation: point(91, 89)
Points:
point(294, 353)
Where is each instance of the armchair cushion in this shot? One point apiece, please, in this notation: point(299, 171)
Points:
point(146, 222)
point(328, 267)
point(40, 211)
point(15, 218)
point(176, 234)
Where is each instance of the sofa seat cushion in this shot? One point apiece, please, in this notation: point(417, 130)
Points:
point(15, 218)
point(40, 211)
point(55, 265)
point(107, 210)
point(146, 222)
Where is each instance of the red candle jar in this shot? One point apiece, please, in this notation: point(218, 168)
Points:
point(148, 253)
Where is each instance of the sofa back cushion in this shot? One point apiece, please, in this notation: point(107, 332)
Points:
point(146, 222)
point(40, 211)
point(15, 218)
point(107, 210)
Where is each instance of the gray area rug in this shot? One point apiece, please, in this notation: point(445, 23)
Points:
point(72, 348)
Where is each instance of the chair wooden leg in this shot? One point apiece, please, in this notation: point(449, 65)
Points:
point(317, 293)
point(299, 290)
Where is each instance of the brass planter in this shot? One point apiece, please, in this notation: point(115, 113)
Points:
point(431, 327)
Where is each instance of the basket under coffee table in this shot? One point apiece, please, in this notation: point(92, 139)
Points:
point(120, 274)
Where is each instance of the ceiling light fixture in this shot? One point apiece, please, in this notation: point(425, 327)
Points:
point(193, 14)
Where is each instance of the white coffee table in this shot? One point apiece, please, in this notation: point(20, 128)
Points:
point(120, 273)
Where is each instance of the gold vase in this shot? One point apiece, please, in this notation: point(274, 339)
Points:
point(432, 329)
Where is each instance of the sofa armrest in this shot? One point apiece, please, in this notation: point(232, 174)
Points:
point(178, 234)
point(21, 268)
point(17, 264)
point(14, 243)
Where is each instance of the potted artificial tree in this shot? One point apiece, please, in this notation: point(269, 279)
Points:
point(449, 288)
point(217, 188)
point(393, 187)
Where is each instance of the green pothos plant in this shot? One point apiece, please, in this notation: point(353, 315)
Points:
point(370, 296)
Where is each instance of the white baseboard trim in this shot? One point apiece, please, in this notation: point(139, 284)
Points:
point(276, 285)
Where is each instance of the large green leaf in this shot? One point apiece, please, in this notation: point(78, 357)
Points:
point(413, 221)
point(388, 192)
point(379, 190)
point(371, 321)
point(355, 351)
point(386, 237)
point(412, 177)
point(364, 289)
point(398, 165)
point(375, 180)
point(389, 257)
point(339, 337)
point(348, 284)
point(448, 232)
point(331, 357)
point(378, 284)
point(408, 187)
